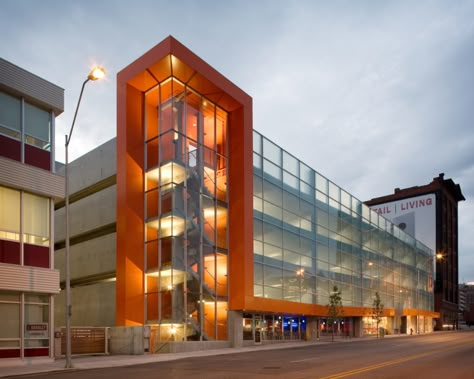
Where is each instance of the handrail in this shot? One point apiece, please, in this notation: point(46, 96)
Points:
point(213, 277)
point(194, 154)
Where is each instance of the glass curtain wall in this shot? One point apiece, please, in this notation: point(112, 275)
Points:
point(185, 213)
point(310, 235)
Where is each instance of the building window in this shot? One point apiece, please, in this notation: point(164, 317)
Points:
point(36, 325)
point(35, 310)
point(35, 220)
point(37, 127)
point(9, 214)
point(10, 325)
point(36, 228)
point(9, 226)
point(32, 132)
point(10, 116)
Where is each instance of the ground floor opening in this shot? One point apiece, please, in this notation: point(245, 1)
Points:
point(25, 327)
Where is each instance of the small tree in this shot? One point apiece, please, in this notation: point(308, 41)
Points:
point(335, 309)
point(377, 311)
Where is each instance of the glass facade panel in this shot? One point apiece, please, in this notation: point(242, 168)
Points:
point(321, 184)
point(306, 174)
point(329, 238)
point(334, 192)
point(272, 171)
point(274, 213)
point(151, 113)
point(257, 143)
point(272, 193)
point(290, 164)
point(221, 135)
point(272, 152)
point(291, 181)
point(273, 255)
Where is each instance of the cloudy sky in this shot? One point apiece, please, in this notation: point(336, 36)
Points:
point(372, 94)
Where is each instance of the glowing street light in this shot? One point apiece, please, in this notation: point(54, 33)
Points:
point(95, 74)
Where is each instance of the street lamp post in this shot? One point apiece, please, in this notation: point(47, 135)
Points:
point(95, 74)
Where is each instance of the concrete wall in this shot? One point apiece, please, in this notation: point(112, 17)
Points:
point(92, 167)
point(92, 305)
point(87, 214)
point(129, 340)
point(90, 258)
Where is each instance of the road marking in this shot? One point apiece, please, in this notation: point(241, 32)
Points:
point(394, 362)
point(304, 360)
point(380, 365)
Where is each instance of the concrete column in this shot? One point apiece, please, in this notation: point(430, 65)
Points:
point(358, 327)
point(312, 329)
point(235, 328)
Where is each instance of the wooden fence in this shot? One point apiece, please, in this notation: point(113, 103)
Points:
point(86, 341)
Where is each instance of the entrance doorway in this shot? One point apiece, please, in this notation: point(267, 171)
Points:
point(263, 328)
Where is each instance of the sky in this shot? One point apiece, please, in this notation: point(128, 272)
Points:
point(374, 95)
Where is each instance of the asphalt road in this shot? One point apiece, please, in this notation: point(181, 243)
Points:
point(437, 355)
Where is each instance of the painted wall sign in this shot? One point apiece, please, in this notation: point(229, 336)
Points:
point(415, 215)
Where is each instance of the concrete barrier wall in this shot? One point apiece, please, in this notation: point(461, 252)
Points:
point(188, 346)
point(129, 340)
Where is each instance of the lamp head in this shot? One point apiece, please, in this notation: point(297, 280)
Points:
point(97, 73)
point(439, 256)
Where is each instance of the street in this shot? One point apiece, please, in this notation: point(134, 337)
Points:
point(436, 355)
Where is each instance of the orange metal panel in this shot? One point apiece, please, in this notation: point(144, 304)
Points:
point(130, 207)
point(143, 81)
point(161, 70)
point(421, 312)
point(257, 304)
point(240, 184)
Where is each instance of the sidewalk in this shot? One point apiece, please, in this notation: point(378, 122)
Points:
point(46, 365)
